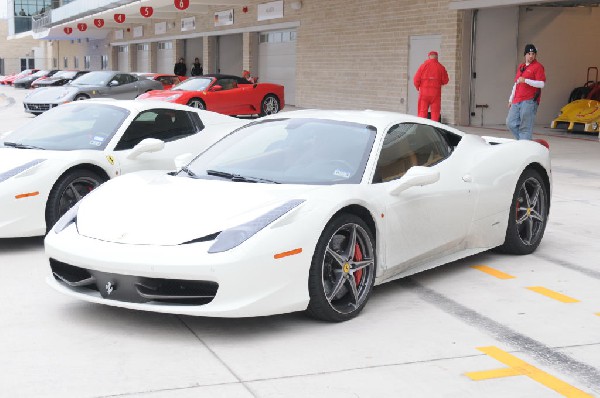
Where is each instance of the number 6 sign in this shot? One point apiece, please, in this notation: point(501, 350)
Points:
point(146, 11)
point(181, 4)
point(119, 18)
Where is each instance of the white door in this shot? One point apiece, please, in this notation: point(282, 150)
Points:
point(494, 64)
point(419, 47)
point(165, 61)
point(230, 55)
point(123, 58)
point(143, 58)
point(277, 61)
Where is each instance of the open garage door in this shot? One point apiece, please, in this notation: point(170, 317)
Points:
point(277, 61)
point(566, 39)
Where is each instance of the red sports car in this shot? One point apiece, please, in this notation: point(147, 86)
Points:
point(227, 94)
point(10, 79)
point(167, 80)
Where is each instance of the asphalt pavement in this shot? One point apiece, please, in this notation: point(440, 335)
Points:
point(489, 325)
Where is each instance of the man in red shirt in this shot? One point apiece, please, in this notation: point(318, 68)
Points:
point(428, 80)
point(525, 96)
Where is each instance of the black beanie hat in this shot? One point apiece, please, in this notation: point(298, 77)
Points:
point(529, 48)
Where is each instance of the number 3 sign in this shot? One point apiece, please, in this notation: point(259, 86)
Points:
point(182, 4)
point(99, 22)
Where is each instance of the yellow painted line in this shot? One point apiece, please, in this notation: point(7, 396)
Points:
point(493, 272)
point(552, 294)
point(518, 367)
point(598, 313)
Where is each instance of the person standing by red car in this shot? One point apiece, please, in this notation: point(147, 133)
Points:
point(428, 80)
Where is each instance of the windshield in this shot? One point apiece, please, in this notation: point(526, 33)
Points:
point(289, 151)
point(97, 78)
point(199, 84)
point(40, 73)
point(67, 74)
point(80, 125)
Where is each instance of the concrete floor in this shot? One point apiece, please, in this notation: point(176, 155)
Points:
point(417, 337)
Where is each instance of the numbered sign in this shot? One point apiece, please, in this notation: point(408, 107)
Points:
point(82, 27)
point(182, 4)
point(119, 18)
point(146, 11)
point(68, 30)
point(99, 22)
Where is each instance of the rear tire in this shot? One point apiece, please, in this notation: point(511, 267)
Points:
point(528, 215)
point(197, 103)
point(70, 188)
point(342, 270)
point(269, 105)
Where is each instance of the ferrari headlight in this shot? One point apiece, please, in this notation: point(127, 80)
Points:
point(19, 169)
point(172, 97)
point(235, 236)
point(67, 219)
point(595, 126)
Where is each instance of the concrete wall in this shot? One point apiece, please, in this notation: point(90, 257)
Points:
point(11, 51)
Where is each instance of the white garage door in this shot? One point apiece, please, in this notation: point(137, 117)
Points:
point(164, 57)
point(143, 58)
point(123, 58)
point(277, 61)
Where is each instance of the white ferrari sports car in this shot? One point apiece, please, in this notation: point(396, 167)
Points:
point(306, 210)
point(51, 162)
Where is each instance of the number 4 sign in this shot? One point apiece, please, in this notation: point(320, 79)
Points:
point(119, 18)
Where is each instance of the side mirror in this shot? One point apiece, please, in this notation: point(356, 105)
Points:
point(182, 160)
point(113, 83)
point(216, 87)
point(415, 176)
point(147, 145)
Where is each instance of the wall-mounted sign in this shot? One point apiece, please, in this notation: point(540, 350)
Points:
point(160, 28)
point(138, 31)
point(181, 4)
point(223, 18)
point(68, 30)
point(188, 24)
point(119, 18)
point(98, 22)
point(119, 34)
point(146, 12)
point(82, 27)
point(270, 10)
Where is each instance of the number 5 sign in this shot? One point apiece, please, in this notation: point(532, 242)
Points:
point(146, 11)
point(181, 4)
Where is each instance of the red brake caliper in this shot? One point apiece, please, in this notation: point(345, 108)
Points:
point(357, 257)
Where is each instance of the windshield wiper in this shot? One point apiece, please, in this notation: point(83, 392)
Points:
point(189, 172)
point(21, 146)
point(238, 177)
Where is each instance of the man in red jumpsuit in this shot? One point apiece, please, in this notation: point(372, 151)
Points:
point(429, 79)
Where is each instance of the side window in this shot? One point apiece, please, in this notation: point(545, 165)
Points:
point(406, 145)
point(227, 84)
point(163, 124)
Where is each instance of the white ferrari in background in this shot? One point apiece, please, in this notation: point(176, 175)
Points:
point(306, 210)
point(50, 163)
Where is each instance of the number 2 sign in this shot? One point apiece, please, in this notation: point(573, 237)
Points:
point(181, 4)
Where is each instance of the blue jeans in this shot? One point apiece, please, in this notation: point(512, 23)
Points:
point(520, 119)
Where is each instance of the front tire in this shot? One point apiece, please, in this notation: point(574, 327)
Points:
point(68, 190)
point(342, 270)
point(528, 215)
point(197, 103)
point(81, 97)
point(269, 105)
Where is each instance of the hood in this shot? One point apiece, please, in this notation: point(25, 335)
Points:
point(158, 209)
point(15, 161)
point(51, 94)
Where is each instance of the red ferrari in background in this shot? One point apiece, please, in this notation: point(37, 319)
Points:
point(167, 80)
point(226, 94)
point(10, 79)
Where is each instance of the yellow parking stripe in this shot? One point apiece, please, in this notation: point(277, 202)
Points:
point(552, 294)
point(493, 272)
point(518, 367)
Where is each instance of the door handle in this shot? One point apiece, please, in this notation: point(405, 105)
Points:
point(467, 178)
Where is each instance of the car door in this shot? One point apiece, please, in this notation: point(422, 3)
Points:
point(125, 87)
point(424, 222)
point(178, 129)
point(227, 100)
